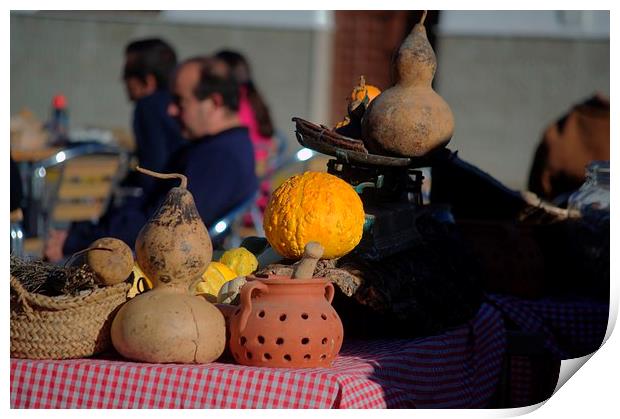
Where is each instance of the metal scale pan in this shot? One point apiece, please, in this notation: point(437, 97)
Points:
point(349, 150)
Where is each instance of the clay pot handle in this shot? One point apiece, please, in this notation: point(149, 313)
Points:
point(329, 292)
point(246, 301)
point(312, 253)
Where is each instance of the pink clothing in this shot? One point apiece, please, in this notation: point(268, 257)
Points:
point(263, 147)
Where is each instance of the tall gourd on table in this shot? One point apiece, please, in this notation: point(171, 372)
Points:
point(409, 119)
point(169, 323)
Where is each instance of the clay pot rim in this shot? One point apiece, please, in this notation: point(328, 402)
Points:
point(286, 280)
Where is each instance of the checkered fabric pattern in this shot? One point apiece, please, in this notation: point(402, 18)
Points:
point(459, 368)
point(572, 328)
point(521, 388)
point(532, 379)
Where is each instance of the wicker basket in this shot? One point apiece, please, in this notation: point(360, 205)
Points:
point(45, 327)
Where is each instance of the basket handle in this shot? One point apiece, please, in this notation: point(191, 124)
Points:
point(22, 295)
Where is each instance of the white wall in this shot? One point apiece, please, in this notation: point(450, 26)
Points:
point(505, 84)
point(81, 55)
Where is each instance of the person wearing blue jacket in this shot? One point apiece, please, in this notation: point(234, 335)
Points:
point(149, 64)
point(218, 159)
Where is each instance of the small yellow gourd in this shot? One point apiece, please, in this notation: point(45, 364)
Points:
point(140, 282)
point(216, 275)
point(240, 260)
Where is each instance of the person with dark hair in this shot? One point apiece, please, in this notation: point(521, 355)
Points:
point(254, 114)
point(149, 64)
point(218, 159)
point(567, 146)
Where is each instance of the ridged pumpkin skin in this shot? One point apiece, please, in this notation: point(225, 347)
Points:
point(314, 206)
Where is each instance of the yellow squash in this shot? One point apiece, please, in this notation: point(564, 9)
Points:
point(240, 260)
point(216, 275)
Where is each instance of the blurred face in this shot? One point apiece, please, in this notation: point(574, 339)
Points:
point(196, 117)
point(135, 88)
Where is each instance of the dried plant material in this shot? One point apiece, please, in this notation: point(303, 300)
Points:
point(52, 280)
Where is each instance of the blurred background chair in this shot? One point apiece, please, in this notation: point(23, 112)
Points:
point(227, 231)
point(17, 233)
point(75, 184)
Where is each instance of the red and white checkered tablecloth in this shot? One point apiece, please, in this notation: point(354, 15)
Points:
point(459, 368)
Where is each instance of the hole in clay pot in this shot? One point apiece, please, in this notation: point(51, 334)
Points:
point(324, 341)
point(261, 314)
point(261, 340)
point(304, 341)
point(279, 341)
point(237, 312)
point(266, 356)
point(287, 357)
point(307, 357)
point(323, 357)
point(248, 355)
point(242, 340)
point(304, 316)
point(323, 316)
point(282, 317)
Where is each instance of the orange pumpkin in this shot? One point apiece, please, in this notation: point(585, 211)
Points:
point(314, 206)
point(359, 92)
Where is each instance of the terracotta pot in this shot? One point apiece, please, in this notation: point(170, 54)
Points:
point(284, 322)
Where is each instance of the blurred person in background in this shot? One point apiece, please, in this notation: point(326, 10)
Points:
point(568, 145)
point(149, 64)
point(218, 159)
point(254, 114)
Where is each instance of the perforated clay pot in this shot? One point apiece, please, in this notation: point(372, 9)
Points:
point(284, 322)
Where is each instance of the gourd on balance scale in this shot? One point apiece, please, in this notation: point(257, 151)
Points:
point(409, 119)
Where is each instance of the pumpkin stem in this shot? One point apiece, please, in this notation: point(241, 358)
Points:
point(78, 253)
point(423, 17)
point(362, 82)
point(165, 176)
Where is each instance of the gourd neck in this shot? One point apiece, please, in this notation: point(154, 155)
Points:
point(172, 287)
point(416, 62)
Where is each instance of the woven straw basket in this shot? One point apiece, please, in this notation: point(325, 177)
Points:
point(45, 327)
